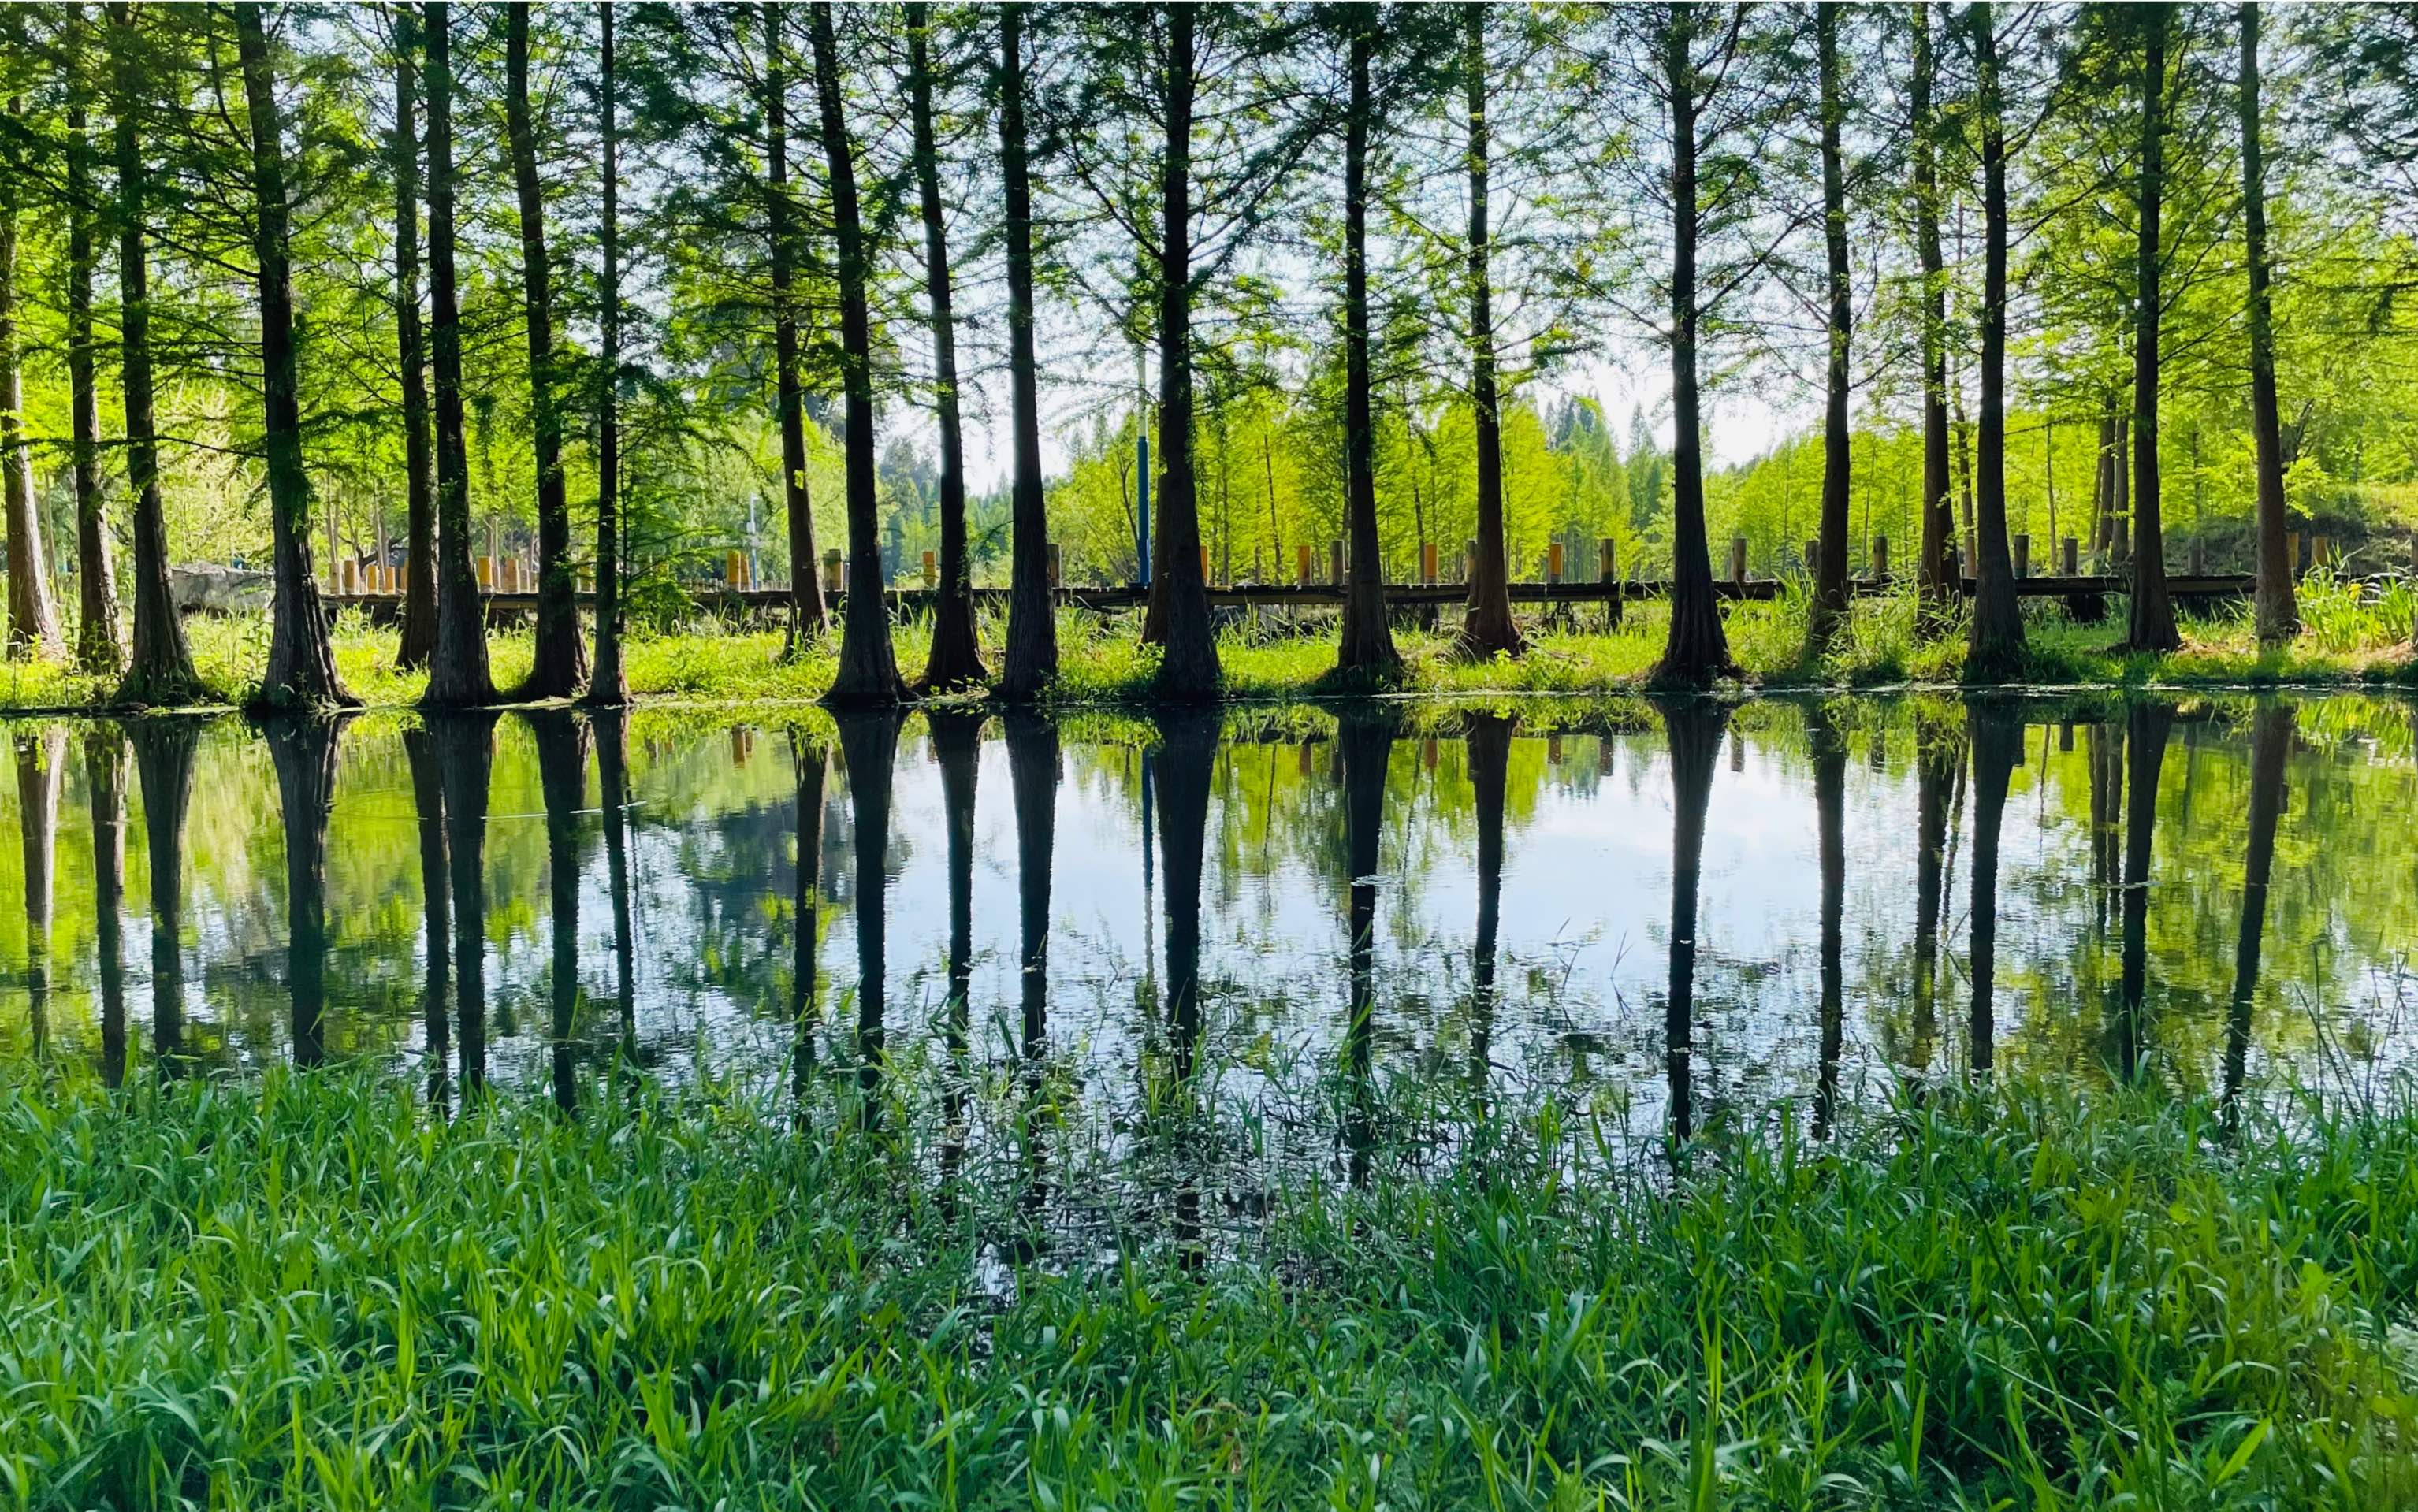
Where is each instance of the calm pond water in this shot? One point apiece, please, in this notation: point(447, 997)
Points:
point(1684, 912)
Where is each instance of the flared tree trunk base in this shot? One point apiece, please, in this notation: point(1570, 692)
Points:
point(419, 644)
point(462, 689)
point(1489, 630)
point(1698, 650)
point(608, 685)
point(1031, 662)
point(2153, 625)
point(561, 668)
point(956, 659)
point(162, 688)
point(1994, 651)
point(1366, 652)
point(868, 670)
point(1188, 672)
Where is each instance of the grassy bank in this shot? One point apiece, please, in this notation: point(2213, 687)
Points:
point(309, 1292)
point(2347, 640)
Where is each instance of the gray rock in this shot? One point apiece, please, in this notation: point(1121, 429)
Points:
point(218, 590)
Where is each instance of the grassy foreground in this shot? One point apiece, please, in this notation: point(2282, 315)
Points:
point(2348, 638)
point(307, 1291)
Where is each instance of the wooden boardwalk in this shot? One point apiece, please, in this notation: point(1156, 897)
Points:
point(1108, 599)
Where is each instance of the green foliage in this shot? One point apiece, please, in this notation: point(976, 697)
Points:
point(312, 1291)
point(2356, 632)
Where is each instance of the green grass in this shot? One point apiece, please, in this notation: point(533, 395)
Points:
point(310, 1291)
point(2348, 639)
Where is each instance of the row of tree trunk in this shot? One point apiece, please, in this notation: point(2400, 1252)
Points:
point(444, 619)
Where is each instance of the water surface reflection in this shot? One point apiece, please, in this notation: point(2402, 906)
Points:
point(1304, 913)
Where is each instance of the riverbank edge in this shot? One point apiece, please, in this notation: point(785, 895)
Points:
point(2385, 677)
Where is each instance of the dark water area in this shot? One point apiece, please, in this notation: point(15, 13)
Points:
point(1685, 913)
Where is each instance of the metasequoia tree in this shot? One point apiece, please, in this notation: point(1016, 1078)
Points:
point(418, 642)
point(2152, 627)
point(2278, 614)
point(1366, 646)
point(1488, 628)
point(607, 683)
point(560, 668)
point(956, 656)
point(868, 669)
point(458, 674)
point(301, 662)
point(1996, 643)
point(160, 669)
point(1032, 658)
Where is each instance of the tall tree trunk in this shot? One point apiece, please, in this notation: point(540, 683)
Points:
point(1960, 430)
point(956, 749)
point(161, 670)
point(868, 744)
point(99, 651)
point(1827, 746)
point(458, 676)
point(560, 668)
point(2278, 611)
point(411, 351)
point(1698, 650)
point(436, 902)
point(2270, 745)
point(2153, 612)
point(607, 683)
point(613, 801)
point(105, 781)
point(561, 741)
point(1032, 779)
point(466, 754)
point(1939, 756)
point(2147, 725)
point(163, 756)
point(32, 620)
point(303, 750)
point(1936, 572)
point(806, 763)
point(1830, 570)
point(868, 669)
point(955, 657)
point(1997, 645)
point(806, 610)
point(1487, 743)
point(2120, 511)
point(1488, 628)
point(1998, 745)
point(1178, 618)
point(2103, 494)
point(1365, 744)
point(1187, 755)
point(41, 760)
point(301, 671)
point(1367, 648)
point(2105, 740)
point(1031, 618)
point(1693, 728)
